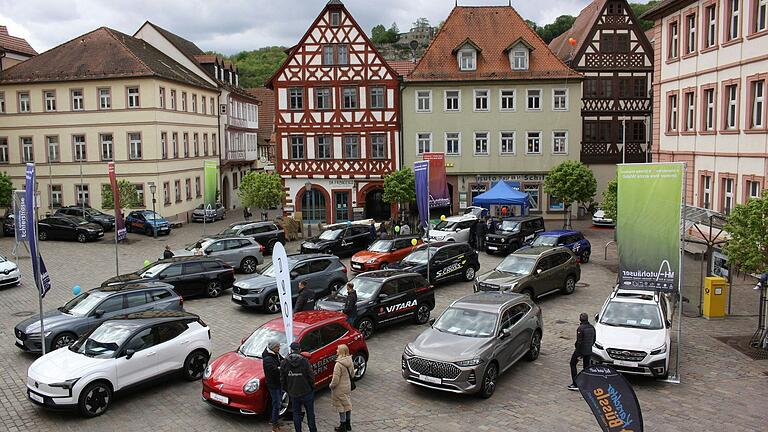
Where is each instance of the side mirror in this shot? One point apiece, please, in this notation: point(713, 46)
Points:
point(294, 274)
point(242, 341)
point(667, 323)
point(504, 333)
point(129, 353)
point(538, 271)
point(98, 313)
point(432, 322)
point(597, 317)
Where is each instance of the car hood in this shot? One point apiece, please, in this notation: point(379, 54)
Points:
point(258, 281)
point(502, 234)
point(62, 365)
point(104, 217)
point(629, 338)
point(436, 345)
point(416, 268)
point(498, 277)
point(335, 302)
point(366, 255)
point(52, 319)
point(91, 227)
point(233, 369)
point(7, 266)
point(317, 243)
point(158, 222)
point(439, 234)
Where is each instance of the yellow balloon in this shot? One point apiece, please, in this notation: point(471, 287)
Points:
point(442, 217)
point(414, 241)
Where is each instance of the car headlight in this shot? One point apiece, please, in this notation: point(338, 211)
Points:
point(503, 240)
point(472, 362)
point(372, 260)
point(408, 351)
point(66, 385)
point(660, 350)
point(509, 286)
point(251, 386)
point(207, 372)
point(598, 346)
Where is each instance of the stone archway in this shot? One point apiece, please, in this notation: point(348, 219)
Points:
point(375, 207)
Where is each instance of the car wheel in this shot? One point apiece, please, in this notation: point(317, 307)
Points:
point(128, 228)
point(272, 303)
point(489, 381)
point(383, 266)
point(148, 231)
point(248, 265)
point(535, 347)
point(285, 404)
point(422, 314)
point(366, 327)
point(570, 285)
point(63, 340)
point(335, 287)
point(585, 257)
point(213, 289)
point(42, 236)
point(361, 365)
point(469, 274)
point(94, 399)
point(195, 364)
point(82, 238)
point(271, 245)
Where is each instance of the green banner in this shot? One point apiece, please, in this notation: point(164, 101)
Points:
point(648, 225)
point(210, 182)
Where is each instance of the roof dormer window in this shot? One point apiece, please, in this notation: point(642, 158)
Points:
point(467, 59)
point(519, 58)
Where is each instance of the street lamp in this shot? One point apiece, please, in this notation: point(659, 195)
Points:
point(308, 189)
point(152, 190)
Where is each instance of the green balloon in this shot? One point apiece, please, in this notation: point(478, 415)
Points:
point(397, 229)
point(146, 263)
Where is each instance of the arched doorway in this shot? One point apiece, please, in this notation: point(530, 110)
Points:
point(225, 192)
point(375, 207)
point(313, 206)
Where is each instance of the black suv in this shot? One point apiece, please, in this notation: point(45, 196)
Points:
point(386, 297)
point(346, 239)
point(512, 233)
point(447, 261)
point(91, 215)
point(267, 233)
point(190, 276)
point(68, 228)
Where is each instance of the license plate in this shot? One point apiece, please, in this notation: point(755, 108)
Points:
point(237, 297)
point(219, 398)
point(492, 248)
point(35, 397)
point(625, 363)
point(430, 379)
point(356, 265)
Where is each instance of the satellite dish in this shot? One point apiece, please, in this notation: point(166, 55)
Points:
point(414, 44)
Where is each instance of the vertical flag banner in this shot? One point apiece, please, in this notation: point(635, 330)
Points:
point(20, 216)
point(120, 231)
point(210, 170)
point(42, 280)
point(611, 399)
point(438, 184)
point(421, 173)
point(283, 278)
point(648, 225)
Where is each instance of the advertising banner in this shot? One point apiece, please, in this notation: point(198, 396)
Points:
point(42, 280)
point(20, 216)
point(421, 173)
point(438, 184)
point(283, 278)
point(120, 231)
point(210, 182)
point(611, 399)
point(648, 229)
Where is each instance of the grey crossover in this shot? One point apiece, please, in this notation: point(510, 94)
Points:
point(534, 271)
point(474, 340)
point(89, 309)
point(242, 253)
point(323, 274)
point(267, 233)
point(211, 213)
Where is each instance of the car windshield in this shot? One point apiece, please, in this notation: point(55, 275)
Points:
point(92, 212)
point(3, 259)
point(152, 215)
point(331, 234)
point(257, 342)
point(83, 304)
point(105, 340)
point(366, 288)
point(510, 226)
point(419, 256)
point(517, 264)
point(269, 269)
point(635, 315)
point(152, 270)
point(381, 246)
point(466, 322)
point(231, 231)
point(445, 225)
point(544, 241)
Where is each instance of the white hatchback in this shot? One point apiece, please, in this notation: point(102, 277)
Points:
point(454, 228)
point(120, 353)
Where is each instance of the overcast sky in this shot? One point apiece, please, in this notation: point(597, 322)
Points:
point(235, 25)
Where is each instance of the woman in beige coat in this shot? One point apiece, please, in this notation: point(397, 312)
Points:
point(341, 387)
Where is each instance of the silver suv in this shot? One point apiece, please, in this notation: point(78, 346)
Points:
point(475, 339)
point(242, 253)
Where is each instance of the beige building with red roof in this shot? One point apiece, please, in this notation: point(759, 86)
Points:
point(13, 49)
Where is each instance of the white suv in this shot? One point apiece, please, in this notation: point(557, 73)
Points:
point(454, 228)
point(632, 333)
point(120, 353)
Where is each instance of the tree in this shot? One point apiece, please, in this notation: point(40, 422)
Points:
point(532, 24)
point(400, 187)
point(421, 22)
point(261, 190)
point(378, 34)
point(256, 67)
point(571, 181)
point(129, 196)
point(748, 228)
point(641, 8)
point(393, 33)
point(561, 25)
point(610, 199)
point(6, 190)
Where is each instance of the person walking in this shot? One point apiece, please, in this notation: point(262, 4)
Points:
point(341, 387)
point(763, 282)
point(271, 360)
point(298, 380)
point(306, 299)
point(198, 249)
point(480, 235)
point(585, 338)
point(167, 252)
point(350, 305)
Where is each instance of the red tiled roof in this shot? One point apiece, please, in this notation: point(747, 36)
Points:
point(579, 31)
point(402, 67)
point(266, 111)
point(492, 29)
point(15, 44)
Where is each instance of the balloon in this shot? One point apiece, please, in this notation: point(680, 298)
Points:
point(414, 241)
point(397, 229)
point(76, 290)
point(572, 41)
point(146, 263)
point(349, 222)
point(442, 217)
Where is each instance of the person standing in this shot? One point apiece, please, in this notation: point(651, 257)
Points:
point(480, 235)
point(341, 387)
point(763, 281)
point(298, 380)
point(167, 252)
point(585, 338)
point(383, 230)
point(271, 360)
point(198, 250)
point(306, 299)
point(372, 232)
point(350, 304)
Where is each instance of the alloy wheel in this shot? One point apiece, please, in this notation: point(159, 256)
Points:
point(469, 274)
point(365, 326)
point(285, 403)
point(42, 236)
point(535, 347)
point(96, 400)
point(214, 288)
point(585, 257)
point(422, 314)
point(248, 265)
point(384, 266)
point(63, 340)
point(570, 285)
point(81, 238)
point(489, 381)
point(361, 365)
point(272, 304)
point(195, 365)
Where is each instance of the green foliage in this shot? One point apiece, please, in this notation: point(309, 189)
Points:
point(748, 228)
point(610, 199)
point(261, 190)
point(400, 186)
point(393, 33)
point(256, 67)
point(571, 181)
point(381, 35)
point(555, 29)
point(421, 22)
point(641, 8)
point(532, 24)
point(6, 190)
point(129, 197)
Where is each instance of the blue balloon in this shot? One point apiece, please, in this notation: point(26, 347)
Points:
point(76, 290)
point(349, 222)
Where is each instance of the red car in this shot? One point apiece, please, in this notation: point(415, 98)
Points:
point(382, 253)
point(318, 332)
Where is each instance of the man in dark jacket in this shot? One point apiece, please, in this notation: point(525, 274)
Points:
point(298, 381)
point(271, 360)
point(372, 231)
point(479, 235)
point(306, 299)
point(585, 338)
point(350, 305)
point(167, 252)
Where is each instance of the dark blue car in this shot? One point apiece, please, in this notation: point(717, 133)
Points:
point(573, 240)
point(147, 222)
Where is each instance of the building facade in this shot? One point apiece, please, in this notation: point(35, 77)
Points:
point(609, 47)
point(709, 97)
point(71, 111)
point(336, 122)
point(13, 49)
point(491, 95)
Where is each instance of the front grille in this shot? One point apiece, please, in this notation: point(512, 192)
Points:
point(626, 355)
point(434, 368)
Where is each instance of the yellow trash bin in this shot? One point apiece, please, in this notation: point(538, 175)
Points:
point(715, 297)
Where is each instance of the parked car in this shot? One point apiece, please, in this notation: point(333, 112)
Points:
point(573, 240)
point(479, 212)
point(512, 233)
point(266, 233)
point(323, 274)
point(474, 340)
point(242, 253)
point(9, 228)
point(91, 215)
point(381, 253)
point(147, 222)
point(386, 297)
point(68, 228)
point(10, 275)
point(599, 219)
point(89, 309)
point(215, 212)
point(633, 333)
point(120, 353)
point(535, 272)
point(344, 240)
point(234, 382)
point(190, 276)
point(447, 261)
point(454, 228)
